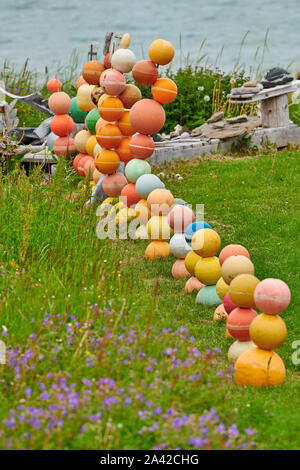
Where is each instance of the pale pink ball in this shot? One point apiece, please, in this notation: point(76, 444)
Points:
point(180, 217)
point(113, 82)
point(272, 296)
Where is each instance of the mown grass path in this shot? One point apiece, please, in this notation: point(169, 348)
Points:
point(54, 268)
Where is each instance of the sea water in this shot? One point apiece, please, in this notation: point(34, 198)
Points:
point(47, 31)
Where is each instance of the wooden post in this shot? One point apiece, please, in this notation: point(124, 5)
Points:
point(275, 111)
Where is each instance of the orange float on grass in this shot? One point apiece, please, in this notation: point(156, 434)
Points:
point(81, 163)
point(89, 167)
point(77, 160)
point(259, 368)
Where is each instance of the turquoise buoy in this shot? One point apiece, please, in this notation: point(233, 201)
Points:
point(208, 296)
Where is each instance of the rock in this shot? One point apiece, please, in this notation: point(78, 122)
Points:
point(215, 117)
point(218, 125)
point(185, 135)
point(245, 90)
point(238, 119)
point(275, 77)
point(178, 130)
point(197, 131)
point(251, 84)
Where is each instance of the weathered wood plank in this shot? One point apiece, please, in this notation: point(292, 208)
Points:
point(275, 111)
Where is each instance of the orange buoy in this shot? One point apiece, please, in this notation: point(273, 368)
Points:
point(91, 72)
point(164, 90)
point(124, 150)
point(147, 116)
point(125, 125)
point(111, 109)
point(142, 146)
point(130, 95)
point(62, 125)
point(129, 196)
point(59, 102)
point(64, 146)
point(107, 162)
point(145, 72)
point(109, 136)
point(54, 85)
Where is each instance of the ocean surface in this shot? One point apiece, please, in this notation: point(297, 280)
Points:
point(47, 31)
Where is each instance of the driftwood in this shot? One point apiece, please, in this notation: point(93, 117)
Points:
point(34, 99)
point(107, 42)
point(226, 130)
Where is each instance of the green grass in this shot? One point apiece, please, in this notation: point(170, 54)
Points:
point(130, 312)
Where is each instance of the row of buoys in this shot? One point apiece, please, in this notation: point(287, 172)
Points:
point(230, 279)
point(119, 124)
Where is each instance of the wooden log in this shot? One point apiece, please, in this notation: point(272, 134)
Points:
point(275, 111)
point(107, 41)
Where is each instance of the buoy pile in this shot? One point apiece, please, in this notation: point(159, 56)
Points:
point(61, 124)
point(261, 366)
point(119, 129)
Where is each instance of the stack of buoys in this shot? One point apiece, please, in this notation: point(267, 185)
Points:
point(61, 124)
point(147, 117)
point(193, 284)
point(261, 366)
point(84, 108)
point(159, 202)
point(206, 243)
point(180, 217)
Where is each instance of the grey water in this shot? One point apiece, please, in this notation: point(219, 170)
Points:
point(47, 31)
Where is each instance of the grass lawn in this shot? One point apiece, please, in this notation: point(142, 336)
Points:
point(106, 351)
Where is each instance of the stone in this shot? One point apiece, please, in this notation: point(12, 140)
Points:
point(215, 117)
point(178, 130)
point(251, 84)
point(218, 125)
point(238, 119)
point(275, 77)
point(245, 91)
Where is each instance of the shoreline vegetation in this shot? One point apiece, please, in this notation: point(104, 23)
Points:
point(202, 86)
